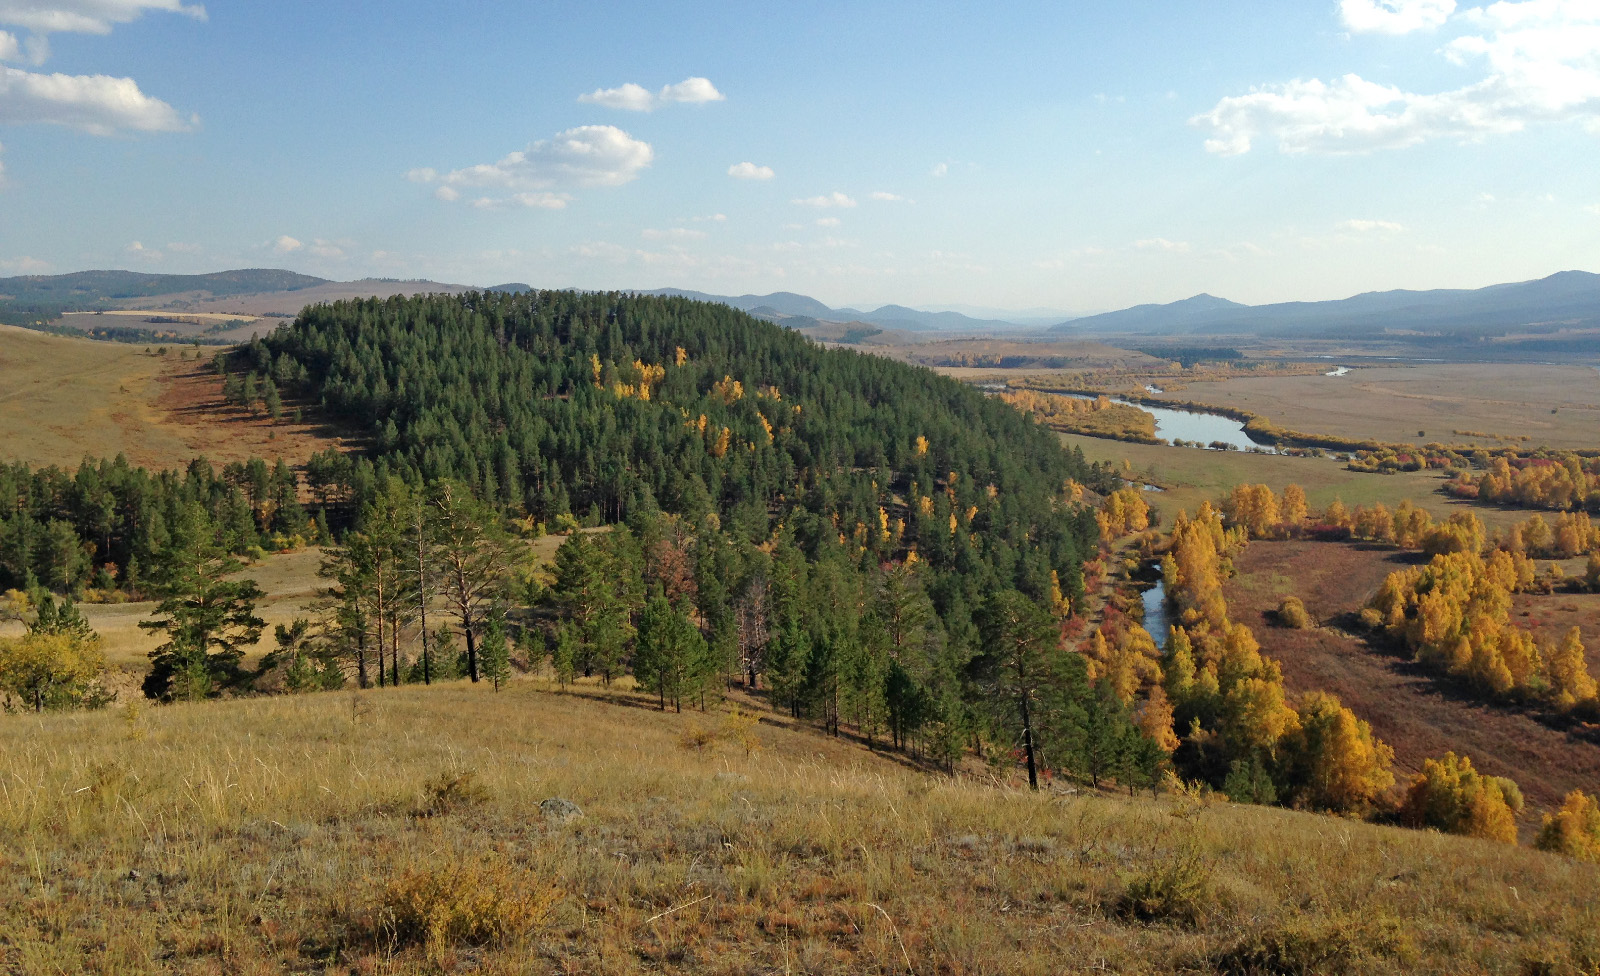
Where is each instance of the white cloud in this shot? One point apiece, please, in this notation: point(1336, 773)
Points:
point(326, 249)
point(178, 247)
point(1367, 226)
point(827, 221)
point(10, 50)
point(533, 199)
point(750, 171)
point(631, 97)
point(588, 156)
point(834, 199)
point(716, 218)
point(542, 201)
point(692, 91)
point(1593, 208)
point(86, 16)
point(636, 98)
point(673, 234)
point(1540, 62)
point(941, 169)
point(95, 103)
point(286, 244)
point(143, 253)
point(889, 197)
point(1162, 244)
point(1394, 16)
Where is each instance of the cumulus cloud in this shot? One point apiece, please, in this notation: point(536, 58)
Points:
point(86, 16)
point(98, 104)
point(834, 199)
point(143, 253)
point(888, 197)
point(750, 171)
point(716, 218)
point(1367, 226)
point(588, 156)
point(1394, 16)
point(636, 98)
point(286, 244)
point(94, 103)
point(1540, 61)
point(941, 169)
point(827, 221)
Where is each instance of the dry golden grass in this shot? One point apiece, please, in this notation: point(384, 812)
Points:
point(63, 399)
point(305, 834)
point(1557, 406)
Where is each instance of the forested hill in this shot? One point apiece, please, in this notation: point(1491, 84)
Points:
point(605, 404)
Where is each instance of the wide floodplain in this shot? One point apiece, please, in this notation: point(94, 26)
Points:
point(1482, 403)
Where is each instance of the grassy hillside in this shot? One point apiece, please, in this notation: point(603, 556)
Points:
point(324, 832)
point(85, 289)
point(62, 399)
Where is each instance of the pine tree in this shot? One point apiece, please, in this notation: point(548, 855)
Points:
point(496, 650)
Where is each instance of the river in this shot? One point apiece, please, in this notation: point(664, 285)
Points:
point(1155, 611)
point(1200, 428)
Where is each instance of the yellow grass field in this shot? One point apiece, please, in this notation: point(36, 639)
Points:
point(1555, 406)
point(1191, 476)
point(400, 831)
point(63, 398)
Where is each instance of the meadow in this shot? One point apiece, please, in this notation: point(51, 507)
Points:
point(401, 831)
point(1549, 405)
point(1419, 714)
point(63, 399)
point(1189, 476)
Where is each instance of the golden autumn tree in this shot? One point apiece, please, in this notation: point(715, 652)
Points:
point(1573, 830)
point(1568, 672)
point(1452, 797)
point(1293, 508)
point(1333, 760)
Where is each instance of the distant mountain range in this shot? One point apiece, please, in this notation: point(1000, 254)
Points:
point(784, 304)
point(1568, 300)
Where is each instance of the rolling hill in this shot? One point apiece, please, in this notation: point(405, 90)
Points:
point(1567, 300)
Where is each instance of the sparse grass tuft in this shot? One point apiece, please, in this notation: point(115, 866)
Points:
point(1179, 890)
point(451, 793)
point(1299, 946)
point(485, 903)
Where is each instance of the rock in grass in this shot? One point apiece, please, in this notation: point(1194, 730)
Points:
point(559, 809)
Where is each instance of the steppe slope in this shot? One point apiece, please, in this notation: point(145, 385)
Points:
point(325, 832)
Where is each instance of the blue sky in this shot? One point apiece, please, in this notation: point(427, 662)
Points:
point(1064, 156)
